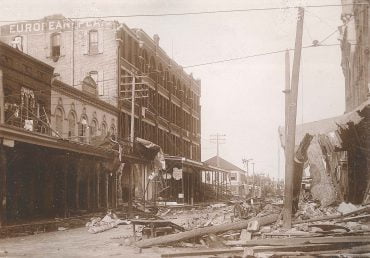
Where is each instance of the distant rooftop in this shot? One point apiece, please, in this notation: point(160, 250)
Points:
point(224, 164)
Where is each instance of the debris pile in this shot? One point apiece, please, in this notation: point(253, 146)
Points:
point(97, 225)
point(216, 230)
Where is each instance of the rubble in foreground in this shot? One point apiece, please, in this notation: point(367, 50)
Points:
point(218, 230)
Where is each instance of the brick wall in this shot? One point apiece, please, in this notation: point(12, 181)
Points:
point(75, 61)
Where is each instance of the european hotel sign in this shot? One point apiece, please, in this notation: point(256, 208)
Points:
point(50, 26)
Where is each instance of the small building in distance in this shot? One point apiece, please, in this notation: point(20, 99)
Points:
point(237, 178)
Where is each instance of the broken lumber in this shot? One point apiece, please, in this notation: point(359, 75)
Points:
point(340, 216)
point(204, 252)
point(299, 160)
point(204, 231)
point(308, 240)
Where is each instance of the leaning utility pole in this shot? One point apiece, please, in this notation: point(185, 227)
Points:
point(218, 139)
point(291, 128)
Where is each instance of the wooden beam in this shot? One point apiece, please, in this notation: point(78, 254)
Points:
point(307, 240)
point(204, 231)
point(203, 252)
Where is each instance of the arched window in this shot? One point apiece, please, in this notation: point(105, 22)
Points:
point(71, 125)
point(82, 129)
point(112, 130)
point(89, 85)
point(59, 121)
point(93, 128)
point(103, 129)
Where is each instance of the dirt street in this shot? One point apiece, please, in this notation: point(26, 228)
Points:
point(74, 243)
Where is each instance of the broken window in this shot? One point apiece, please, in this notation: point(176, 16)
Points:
point(55, 45)
point(59, 121)
point(104, 129)
point(71, 125)
point(82, 129)
point(17, 43)
point(93, 128)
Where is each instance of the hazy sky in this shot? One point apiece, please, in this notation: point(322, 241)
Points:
point(242, 99)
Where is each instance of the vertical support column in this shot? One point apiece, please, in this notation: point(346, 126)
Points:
point(3, 185)
point(65, 192)
point(97, 175)
point(106, 189)
point(77, 194)
point(2, 111)
point(88, 188)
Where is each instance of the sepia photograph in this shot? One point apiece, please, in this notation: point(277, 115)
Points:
point(185, 128)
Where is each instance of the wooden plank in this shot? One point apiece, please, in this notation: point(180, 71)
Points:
point(360, 210)
point(204, 231)
point(203, 252)
point(308, 240)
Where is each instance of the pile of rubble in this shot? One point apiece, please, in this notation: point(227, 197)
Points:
point(249, 229)
point(215, 230)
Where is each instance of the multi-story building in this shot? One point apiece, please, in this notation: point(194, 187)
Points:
point(105, 54)
point(103, 57)
point(45, 172)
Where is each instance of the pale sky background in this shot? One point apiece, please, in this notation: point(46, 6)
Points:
point(242, 99)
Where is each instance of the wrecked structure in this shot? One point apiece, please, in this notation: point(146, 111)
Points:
point(338, 156)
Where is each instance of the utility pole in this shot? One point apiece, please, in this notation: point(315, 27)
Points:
point(246, 161)
point(254, 180)
point(218, 139)
point(132, 140)
point(133, 96)
point(291, 128)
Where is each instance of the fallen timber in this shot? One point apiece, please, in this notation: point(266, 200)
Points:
point(205, 231)
point(307, 240)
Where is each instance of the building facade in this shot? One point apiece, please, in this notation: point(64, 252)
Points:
point(105, 55)
point(102, 59)
point(44, 173)
point(80, 116)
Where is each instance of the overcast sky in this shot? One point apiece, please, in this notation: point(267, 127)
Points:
point(242, 99)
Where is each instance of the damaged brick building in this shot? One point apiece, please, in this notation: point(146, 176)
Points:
point(100, 58)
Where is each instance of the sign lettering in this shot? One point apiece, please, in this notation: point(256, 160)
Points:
point(50, 26)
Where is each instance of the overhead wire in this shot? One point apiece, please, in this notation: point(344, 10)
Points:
point(192, 13)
